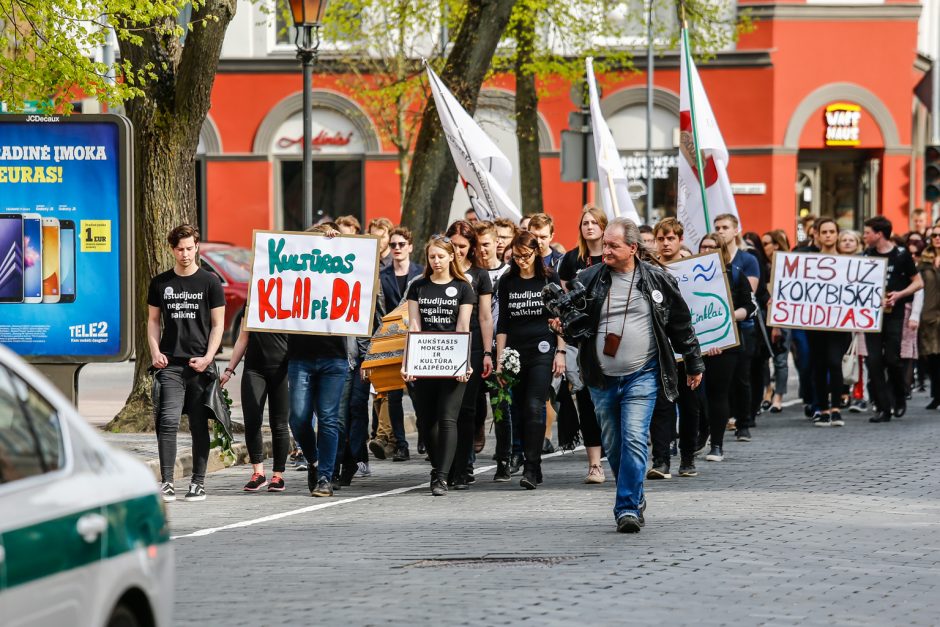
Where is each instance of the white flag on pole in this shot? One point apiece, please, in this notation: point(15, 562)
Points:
point(485, 171)
point(695, 215)
point(612, 184)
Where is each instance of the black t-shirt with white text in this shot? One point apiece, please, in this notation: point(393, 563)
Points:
point(185, 304)
point(482, 285)
point(439, 304)
point(523, 316)
point(899, 272)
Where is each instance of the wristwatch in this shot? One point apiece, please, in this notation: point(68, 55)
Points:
point(561, 350)
point(487, 353)
point(229, 370)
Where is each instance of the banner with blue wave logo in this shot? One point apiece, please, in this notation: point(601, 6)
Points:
point(706, 291)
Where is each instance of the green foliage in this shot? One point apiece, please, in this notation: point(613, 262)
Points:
point(47, 48)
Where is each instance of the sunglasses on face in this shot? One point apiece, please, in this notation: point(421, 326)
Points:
point(397, 244)
point(440, 238)
point(935, 235)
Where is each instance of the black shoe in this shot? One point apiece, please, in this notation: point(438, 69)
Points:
point(422, 449)
point(167, 492)
point(765, 405)
point(687, 468)
point(743, 435)
point(900, 409)
point(378, 449)
point(547, 448)
point(324, 487)
point(335, 483)
point(311, 479)
point(822, 420)
point(197, 492)
point(882, 416)
point(401, 454)
point(629, 523)
point(460, 482)
point(529, 480)
point(701, 443)
point(438, 487)
point(808, 411)
point(256, 482)
point(835, 417)
point(715, 455)
point(659, 470)
point(502, 472)
point(933, 404)
point(515, 464)
point(775, 409)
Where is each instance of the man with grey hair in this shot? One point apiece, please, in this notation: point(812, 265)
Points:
point(635, 299)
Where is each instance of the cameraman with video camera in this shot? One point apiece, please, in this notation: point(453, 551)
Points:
point(627, 298)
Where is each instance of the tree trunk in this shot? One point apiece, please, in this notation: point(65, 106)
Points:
point(527, 113)
point(430, 189)
point(166, 122)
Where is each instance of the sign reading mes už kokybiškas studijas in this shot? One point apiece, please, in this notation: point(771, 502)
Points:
point(833, 292)
point(306, 283)
point(705, 290)
point(437, 355)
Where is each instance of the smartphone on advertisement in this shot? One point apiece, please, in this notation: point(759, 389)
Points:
point(32, 258)
point(50, 260)
point(67, 261)
point(11, 258)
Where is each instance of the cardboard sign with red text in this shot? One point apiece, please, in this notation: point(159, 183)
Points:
point(826, 292)
point(306, 283)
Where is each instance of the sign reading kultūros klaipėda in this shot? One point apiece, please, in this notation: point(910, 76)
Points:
point(65, 237)
point(308, 283)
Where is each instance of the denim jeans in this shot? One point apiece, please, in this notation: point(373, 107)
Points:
point(316, 385)
point(624, 407)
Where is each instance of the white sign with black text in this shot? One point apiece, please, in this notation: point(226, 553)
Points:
point(437, 355)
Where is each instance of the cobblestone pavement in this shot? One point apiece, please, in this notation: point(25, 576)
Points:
point(802, 525)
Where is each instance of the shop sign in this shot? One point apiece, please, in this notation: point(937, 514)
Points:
point(635, 165)
point(332, 133)
point(842, 124)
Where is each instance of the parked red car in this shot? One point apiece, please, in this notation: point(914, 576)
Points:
point(232, 264)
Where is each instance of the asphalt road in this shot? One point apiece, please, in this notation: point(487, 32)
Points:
point(801, 526)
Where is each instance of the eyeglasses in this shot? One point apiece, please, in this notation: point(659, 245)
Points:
point(397, 244)
point(707, 247)
point(523, 257)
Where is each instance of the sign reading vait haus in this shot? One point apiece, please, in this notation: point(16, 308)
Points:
point(842, 124)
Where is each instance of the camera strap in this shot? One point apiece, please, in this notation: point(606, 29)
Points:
point(626, 307)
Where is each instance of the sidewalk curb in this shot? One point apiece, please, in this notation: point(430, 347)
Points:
point(183, 468)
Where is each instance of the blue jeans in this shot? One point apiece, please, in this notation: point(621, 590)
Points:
point(624, 407)
point(316, 385)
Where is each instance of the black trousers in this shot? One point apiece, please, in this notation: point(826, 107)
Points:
point(741, 406)
point(933, 371)
point(826, 349)
point(719, 376)
point(528, 403)
point(260, 386)
point(437, 404)
point(181, 392)
point(467, 418)
point(886, 372)
point(663, 423)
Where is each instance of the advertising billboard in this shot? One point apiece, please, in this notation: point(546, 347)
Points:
point(65, 237)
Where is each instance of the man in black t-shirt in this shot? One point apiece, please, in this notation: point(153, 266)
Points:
point(190, 303)
point(884, 348)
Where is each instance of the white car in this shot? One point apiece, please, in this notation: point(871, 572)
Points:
point(84, 539)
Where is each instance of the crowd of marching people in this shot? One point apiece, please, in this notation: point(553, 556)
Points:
point(629, 400)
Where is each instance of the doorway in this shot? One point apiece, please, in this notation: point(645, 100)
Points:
point(838, 184)
point(338, 190)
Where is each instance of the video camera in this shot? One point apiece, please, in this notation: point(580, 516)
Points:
point(569, 307)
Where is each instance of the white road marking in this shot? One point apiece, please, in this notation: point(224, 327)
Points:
point(335, 503)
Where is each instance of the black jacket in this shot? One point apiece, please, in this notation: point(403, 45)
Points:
point(672, 325)
point(393, 295)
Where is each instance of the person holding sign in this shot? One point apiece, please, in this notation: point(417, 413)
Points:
point(441, 300)
point(884, 348)
point(523, 326)
point(721, 364)
point(463, 237)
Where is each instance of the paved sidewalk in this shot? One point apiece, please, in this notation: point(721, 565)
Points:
point(801, 526)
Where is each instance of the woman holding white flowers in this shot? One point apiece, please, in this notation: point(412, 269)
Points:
point(523, 326)
point(441, 300)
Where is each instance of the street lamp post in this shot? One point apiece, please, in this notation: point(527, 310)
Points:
point(307, 15)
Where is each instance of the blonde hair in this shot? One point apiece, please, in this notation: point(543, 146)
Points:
point(443, 242)
point(601, 218)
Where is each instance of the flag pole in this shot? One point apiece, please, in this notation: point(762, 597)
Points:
point(698, 153)
point(485, 188)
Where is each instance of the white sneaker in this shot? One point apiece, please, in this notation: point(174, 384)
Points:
point(364, 470)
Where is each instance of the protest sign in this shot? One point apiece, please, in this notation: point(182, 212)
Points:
point(437, 355)
point(831, 292)
point(307, 283)
point(705, 289)
point(66, 265)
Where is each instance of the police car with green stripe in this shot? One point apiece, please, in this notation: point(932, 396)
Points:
point(83, 532)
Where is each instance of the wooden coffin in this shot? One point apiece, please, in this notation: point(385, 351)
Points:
point(382, 364)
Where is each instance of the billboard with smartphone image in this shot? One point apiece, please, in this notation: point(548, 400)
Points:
point(65, 224)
